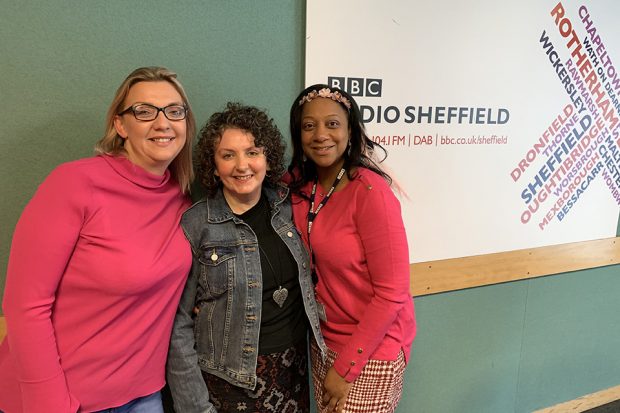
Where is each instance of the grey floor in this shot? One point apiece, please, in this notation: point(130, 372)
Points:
point(613, 407)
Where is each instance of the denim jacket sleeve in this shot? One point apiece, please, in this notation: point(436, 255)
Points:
point(188, 388)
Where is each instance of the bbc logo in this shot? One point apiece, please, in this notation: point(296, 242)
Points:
point(357, 86)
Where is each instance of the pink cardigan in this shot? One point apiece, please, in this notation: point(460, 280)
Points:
point(362, 261)
point(97, 267)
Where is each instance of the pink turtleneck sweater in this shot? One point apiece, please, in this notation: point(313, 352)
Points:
point(97, 266)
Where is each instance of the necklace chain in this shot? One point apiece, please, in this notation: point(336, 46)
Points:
point(281, 293)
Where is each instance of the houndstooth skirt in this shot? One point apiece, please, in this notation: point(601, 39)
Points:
point(377, 389)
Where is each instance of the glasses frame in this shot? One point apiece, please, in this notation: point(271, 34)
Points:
point(132, 109)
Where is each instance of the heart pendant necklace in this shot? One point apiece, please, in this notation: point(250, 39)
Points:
point(280, 295)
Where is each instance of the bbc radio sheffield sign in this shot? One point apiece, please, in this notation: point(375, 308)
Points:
point(501, 121)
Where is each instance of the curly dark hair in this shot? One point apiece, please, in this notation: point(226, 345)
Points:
point(303, 170)
point(247, 118)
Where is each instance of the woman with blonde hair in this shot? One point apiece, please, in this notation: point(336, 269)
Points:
point(98, 263)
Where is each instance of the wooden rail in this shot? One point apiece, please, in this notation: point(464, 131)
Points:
point(458, 273)
point(585, 403)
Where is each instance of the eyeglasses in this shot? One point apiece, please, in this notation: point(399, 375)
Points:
point(144, 111)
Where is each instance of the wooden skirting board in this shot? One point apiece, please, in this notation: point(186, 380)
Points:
point(587, 402)
point(458, 273)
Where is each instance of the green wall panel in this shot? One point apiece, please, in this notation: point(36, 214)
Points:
point(466, 355)
point(571, 337)
point(63, 60)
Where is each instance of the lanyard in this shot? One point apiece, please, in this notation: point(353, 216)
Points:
point(312, 213)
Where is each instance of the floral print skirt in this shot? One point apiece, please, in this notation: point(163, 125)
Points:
point(282, 385)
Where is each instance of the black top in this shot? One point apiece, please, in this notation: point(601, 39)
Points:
point(283, 327)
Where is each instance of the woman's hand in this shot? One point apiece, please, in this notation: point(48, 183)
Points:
point(335, 391)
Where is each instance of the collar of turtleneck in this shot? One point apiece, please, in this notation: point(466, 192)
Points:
point(134, 173)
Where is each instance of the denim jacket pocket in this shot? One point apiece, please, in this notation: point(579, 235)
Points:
point(218, 267)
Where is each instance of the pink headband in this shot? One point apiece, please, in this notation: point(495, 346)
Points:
point(326, 93)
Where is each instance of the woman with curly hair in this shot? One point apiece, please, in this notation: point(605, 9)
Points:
point(239, 341)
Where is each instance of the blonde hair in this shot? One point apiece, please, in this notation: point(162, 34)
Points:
point(112, 144)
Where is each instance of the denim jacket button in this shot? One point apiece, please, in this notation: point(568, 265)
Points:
point(289, 234)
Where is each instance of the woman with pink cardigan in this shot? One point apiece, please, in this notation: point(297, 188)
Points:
point(351, 223)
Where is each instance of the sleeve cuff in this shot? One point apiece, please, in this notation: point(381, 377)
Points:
point(350, 364)
point(48, 396)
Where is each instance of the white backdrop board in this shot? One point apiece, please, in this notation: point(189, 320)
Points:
point(501, 119)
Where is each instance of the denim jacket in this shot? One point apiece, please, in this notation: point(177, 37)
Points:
point(225, 284)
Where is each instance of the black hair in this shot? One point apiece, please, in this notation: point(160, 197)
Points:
point(358, 155)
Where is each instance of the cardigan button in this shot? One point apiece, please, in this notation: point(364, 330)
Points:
point(353, 363)
point(360, 350)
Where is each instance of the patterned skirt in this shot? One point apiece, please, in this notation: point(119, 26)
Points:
point(282, 385)
point(377, 389)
